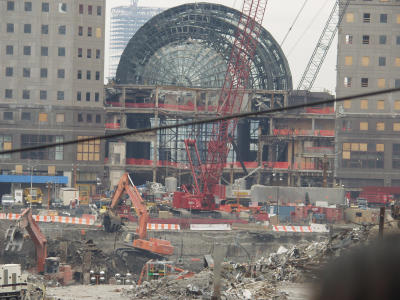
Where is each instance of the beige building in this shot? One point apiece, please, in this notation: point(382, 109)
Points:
point(51, 87)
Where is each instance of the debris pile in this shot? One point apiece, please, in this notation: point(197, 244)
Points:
point(258, 279)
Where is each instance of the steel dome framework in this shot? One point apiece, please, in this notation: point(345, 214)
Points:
point(189, 45)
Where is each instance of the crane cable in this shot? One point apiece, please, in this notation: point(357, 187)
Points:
point(294, 22)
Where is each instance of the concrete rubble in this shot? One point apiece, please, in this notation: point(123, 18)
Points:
point(256, 280)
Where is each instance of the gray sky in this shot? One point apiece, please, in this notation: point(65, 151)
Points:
point(279, 15)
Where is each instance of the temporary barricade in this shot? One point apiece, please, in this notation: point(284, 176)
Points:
point(53, 219)
point(211, 227)
point(155, 226)
point(319, 228)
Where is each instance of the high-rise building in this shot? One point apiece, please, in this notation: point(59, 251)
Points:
point(51, 87)
point(125, 21)
point(368, 129)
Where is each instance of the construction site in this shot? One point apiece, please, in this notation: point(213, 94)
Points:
point(162, 194)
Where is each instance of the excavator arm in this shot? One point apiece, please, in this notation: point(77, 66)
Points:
point(15, 237)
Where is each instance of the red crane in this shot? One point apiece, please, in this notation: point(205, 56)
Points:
point(206, 175)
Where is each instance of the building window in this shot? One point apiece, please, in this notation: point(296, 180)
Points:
point(398, 40)
point(98, 32)
point(396, 127)
point(396, 156)
point(398, 16)
point(29, 140)
point(43, 73)
point(44, 51)
point(380, 147)
point(27, 50)
point(9, 50)
point(80, 117)
point(45, 29)
point(96, 97)
point(10, 5)
point(89, 150)
point(60, 95)
point(45, 7)
point(347, 104)
point(98, 118)
point(62, 29)
point(8, 115)
point(5, 144)
point(27, 28)
point(364, 82)
point(397, 83)
point(79, 52)
point(88, 75)
point(61, 51)
point(78, 96)
point(59, 153)
point(380, 105)
point(366, 18)
point(8, 94)
point(26, 72)
point(89, 118)
point(60, 118)
point(90, 10)
point(348, 60)
point(397, 61)
point(89, 31)
point(347, 81)
point(99, 10)
point(89, 53)
point(97, 75)
point(28, 6)
point(43, 95)
point(62, 7)
point(383, 18)
point(26, 94)
point(365, 61)
point(382, 39)
point(364, 104)
point(87, 96)
point(43, 117)
point(10, 27)
point(380, 126)
point(349, 17)
point(9, 71)
point(381, 83)
point(382, 61)
point(80, 9)
point(365, 39)
point(97, 53)
point(363, 126)
point(348, 39)
point(80, 30)
point(79, 75)
point(61, 73)
point(26, 116)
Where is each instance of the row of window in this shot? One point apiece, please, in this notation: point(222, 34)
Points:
point(364, 126)
point(368, 39)
point(366, 82)
point(364, 104)
point(61, 29)
point(26, 73)
point(60, 95)
point(365, 61)
point(366, 18)
point(44, 51)
point(89, 10)
point(62, 7)
point(89, 53)
point(88, 75)
point(44, 117)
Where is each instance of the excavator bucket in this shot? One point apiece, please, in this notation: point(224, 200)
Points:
point(111, 222)
point(14, 239)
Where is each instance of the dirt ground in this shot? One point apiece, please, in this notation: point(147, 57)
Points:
point(88, 292)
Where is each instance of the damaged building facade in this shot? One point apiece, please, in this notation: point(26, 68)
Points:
point(174, 75)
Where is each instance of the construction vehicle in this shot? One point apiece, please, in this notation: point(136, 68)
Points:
point(206, 175)
point(154, 270)
point(112, 221)
point(12, 282)
point(15, 237)
point(33, 196)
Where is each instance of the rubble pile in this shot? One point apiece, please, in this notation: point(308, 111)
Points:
point(257, 280)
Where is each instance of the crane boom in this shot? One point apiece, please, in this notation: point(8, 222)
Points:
point(321, 49)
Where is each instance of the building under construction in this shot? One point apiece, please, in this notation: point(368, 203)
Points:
point(171, 72)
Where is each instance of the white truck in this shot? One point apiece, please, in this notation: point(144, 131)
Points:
point(12, 283)
point(19, 196)
point(67, 195)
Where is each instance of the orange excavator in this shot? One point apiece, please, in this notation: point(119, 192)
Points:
point(15, 237)
point(112, 221)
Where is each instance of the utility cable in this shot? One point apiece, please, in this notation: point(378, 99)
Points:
point(204, 121)
point(294, 22)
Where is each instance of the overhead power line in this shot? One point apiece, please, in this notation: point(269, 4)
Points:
point(204, 121)
point(294, 22)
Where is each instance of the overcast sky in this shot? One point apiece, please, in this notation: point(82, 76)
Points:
point(278, 18)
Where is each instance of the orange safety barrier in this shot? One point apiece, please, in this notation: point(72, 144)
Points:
point(323, 110)
point(113, 125)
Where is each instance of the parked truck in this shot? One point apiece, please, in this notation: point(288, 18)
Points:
point(12, 282)
point(68, 195)
point(33, 196)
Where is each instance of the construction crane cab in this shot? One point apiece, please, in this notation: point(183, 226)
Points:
point(15, 238)
point(112, 222)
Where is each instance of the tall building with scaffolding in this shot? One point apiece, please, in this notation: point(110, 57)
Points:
point(125, 21)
